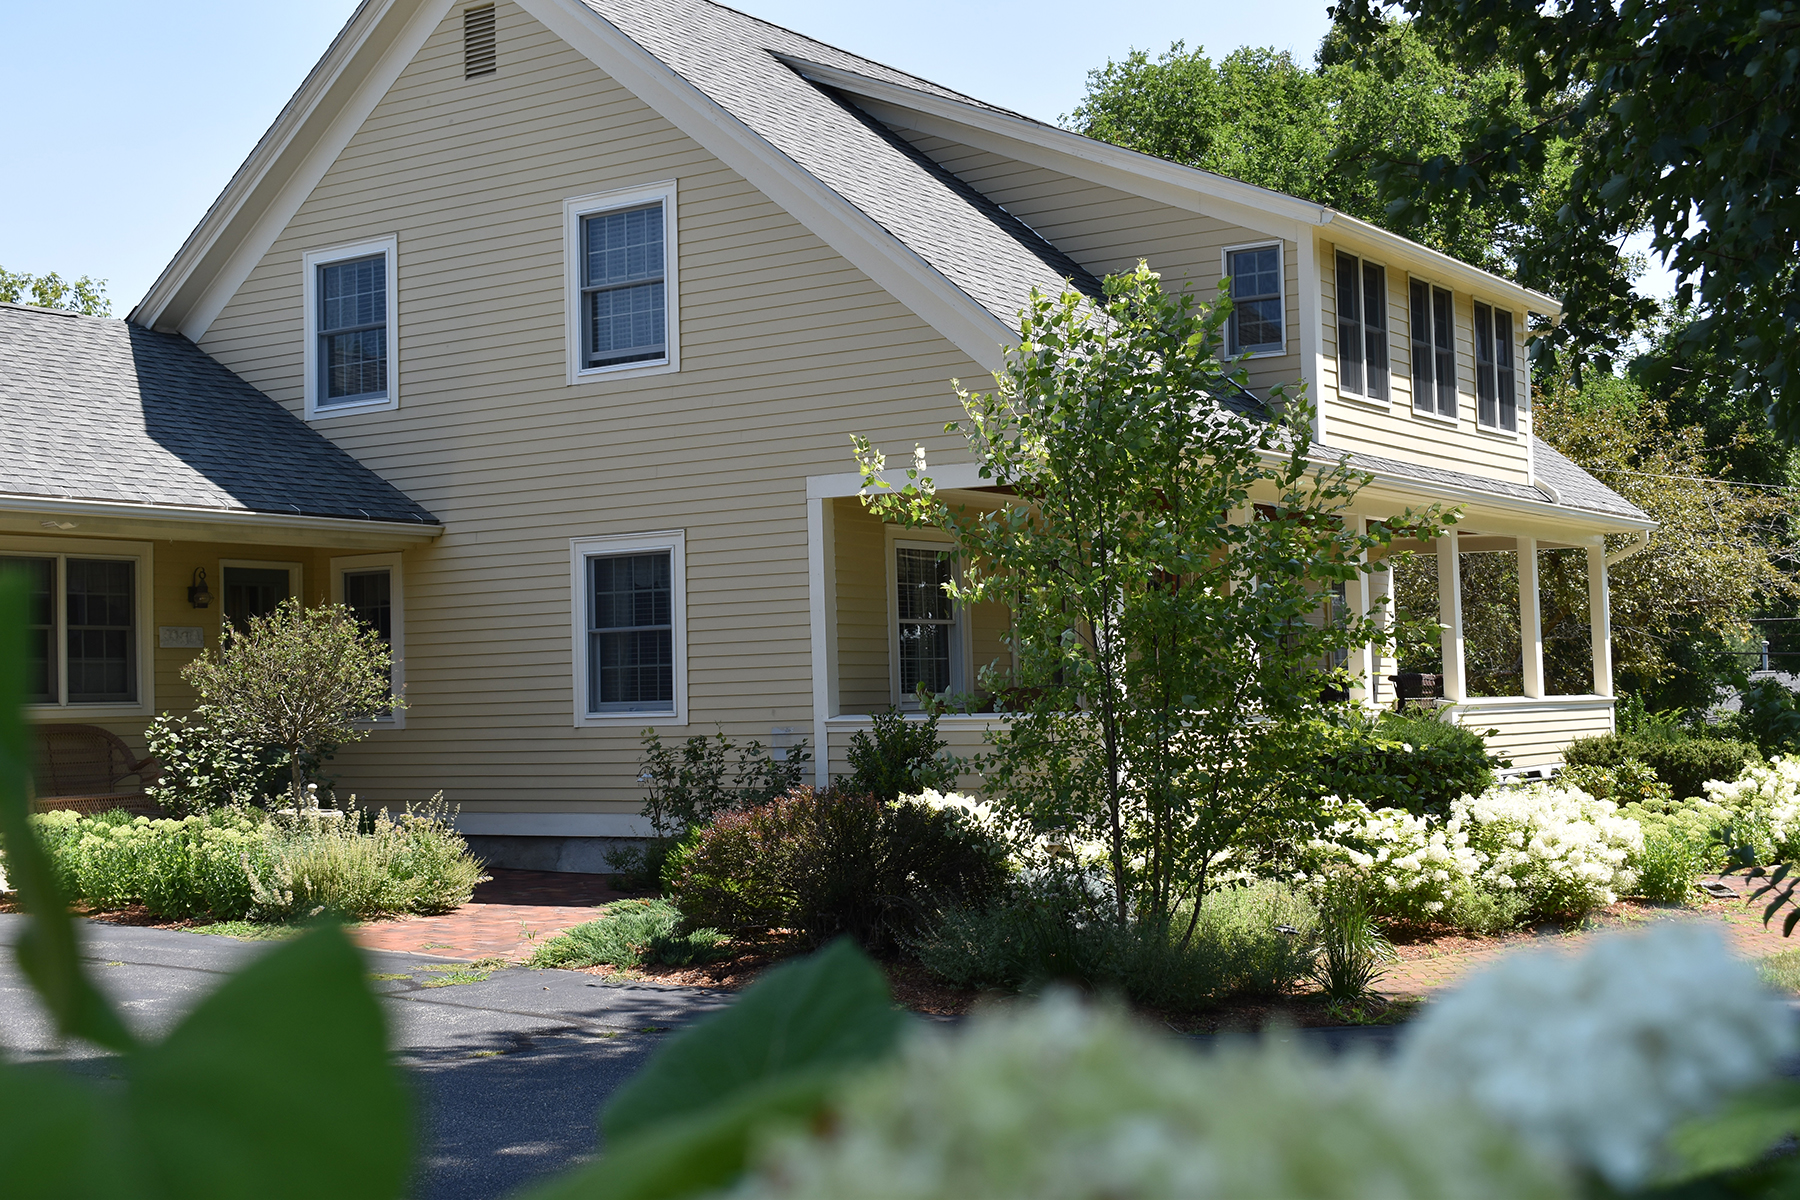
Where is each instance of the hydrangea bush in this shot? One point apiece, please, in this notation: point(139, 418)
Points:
point(1408, 868)
point(1561, 849)
point(1762, 808)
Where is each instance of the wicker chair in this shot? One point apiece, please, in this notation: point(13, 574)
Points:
point(84, 767)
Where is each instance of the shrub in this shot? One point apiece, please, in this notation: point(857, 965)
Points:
point(1351, 953)
point(1686, 764)
point(1057, 931)
point(1407, 869)
point(1759, 811)
point(898, 758)
point(1630, 782)
point(235, 863)
point(1770, 715)
point(204, 767)
point(1670, 863)
point(1419, 764)
point(1563, 851)
point(631, 933)
point(830, 863)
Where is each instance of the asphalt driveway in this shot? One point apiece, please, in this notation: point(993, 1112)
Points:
point(510, 1070)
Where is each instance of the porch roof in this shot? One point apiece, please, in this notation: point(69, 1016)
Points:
point(103, 411)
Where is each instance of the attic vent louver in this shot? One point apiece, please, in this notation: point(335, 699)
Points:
point(479, 54)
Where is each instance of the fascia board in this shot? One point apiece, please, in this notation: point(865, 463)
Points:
point(840, 224)
point(331, 105)
point(35, 507)
point(1155, 178)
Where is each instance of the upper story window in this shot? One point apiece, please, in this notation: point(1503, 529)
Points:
point(630, 627)
point(85, 618)
point(1257, 321)
point(1362, 328)
point(350, 319)
point(1496, 394)
point(623, 315)
point(1433, 350)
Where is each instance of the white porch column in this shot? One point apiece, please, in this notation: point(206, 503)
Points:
point(821, 570)
point(1362, 658)
point(1381, 603)
point(1531, 624)
point(1450, 617)
point(1600, 619)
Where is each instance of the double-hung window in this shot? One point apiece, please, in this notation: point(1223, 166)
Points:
point(1362, 328)
point(622, 293)
point(1256, 325)
point(630, 618)
point(1496, 397)
point(350, 319)
point(369, 586)
point(928, 637)
point(1433, 350)
point(84, 625)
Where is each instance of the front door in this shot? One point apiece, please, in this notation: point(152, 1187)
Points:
point(253, 592)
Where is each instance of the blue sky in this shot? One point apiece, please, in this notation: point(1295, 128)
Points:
point(127, 119)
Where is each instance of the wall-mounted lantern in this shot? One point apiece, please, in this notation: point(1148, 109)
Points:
point(199, 595)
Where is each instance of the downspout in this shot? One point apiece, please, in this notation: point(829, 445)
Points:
point(1639, 541)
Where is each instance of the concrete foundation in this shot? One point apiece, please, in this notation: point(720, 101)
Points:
point(575, 855)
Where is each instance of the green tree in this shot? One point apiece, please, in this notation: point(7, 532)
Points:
point(84, 295)
point(1681, 120)
point(1168, 565)
point(302, 679)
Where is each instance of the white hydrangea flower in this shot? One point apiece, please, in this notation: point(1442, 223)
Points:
point(1595, 1058)
point(1422, 861)
point(1566, 850)
point(1769, 793)
point(1059, 1101)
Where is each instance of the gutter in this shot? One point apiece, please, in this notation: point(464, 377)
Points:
point(418, 529)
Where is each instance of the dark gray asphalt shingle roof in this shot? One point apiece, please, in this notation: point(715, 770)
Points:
point(1575, 488)
point(97, 409)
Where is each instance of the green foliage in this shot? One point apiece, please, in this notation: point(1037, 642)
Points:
point(630, 933)
point(236, 863)
point(1630, 782)
point(686, 787)
point(1685, 764)
point(1140, 649)
point(83, 295)
point(686, 1124)
point(1770, 716)
point(1396, 760)
point(901, 758)
point(204, 767)
point(1680, 119)
point(300, 678)
point(212, 1109)
point(1352, 952)
point(1674, 857)
point(1059, 931)
point(831, 863)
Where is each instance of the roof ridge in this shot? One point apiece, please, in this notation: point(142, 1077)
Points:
point(48, 311)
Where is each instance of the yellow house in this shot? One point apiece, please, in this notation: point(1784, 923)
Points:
point(537, 330)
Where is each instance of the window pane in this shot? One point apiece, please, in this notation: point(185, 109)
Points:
point(1350, 333)
point(368, 595)
point(1423, 357)
point(624, 247)
point(40, 624)
point(1255, 322)
point(101, 638)
point(626, 325)
point(253, 592)
point(355, 365)
point(353, 294)
point(1375, 330)
point(924, 658)
point(1486, 408)
point(921, 577)
point(353, 329)
point(631, 590)
point(631, 669)
point(1444, 333)
point(1255, 272)
point(1503, 360)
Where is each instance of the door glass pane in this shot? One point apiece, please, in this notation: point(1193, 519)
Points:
point(631, 638)
point(102, 646)
point(253, 592)
point(926, 619)
point(368, 595)
point(40, 625)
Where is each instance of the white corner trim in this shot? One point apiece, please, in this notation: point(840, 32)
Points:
point(577, 207)
point(1312, 322)
point(581, 549)
point(310, 261)
point(554, 824)
point(840, 224)
point(234, 203)
point(391, 561)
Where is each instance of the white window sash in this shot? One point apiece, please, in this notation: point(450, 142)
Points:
point(390, 562)
point(582, 551)
point(317, 407)
point(143, 629)
point(575, 210)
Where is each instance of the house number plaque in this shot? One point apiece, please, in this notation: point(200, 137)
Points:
point(181, 637)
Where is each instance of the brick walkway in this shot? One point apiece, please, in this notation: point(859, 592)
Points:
point(1434, 971)
point(509, 916)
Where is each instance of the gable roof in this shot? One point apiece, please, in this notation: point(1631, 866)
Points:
point(102, 410)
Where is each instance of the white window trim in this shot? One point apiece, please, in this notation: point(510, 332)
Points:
point(1496, 431)
point(1388, 284)
point(1455, 420)
point(143, 584)
point(310, 262)
point(580, 550)
point(961, 655)
point(393, 718)
point(574, 209)
point(1280, 245)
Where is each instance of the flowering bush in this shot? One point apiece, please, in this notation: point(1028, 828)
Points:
point(1542, 1073)
point(1407, 868)
point(1562, 850)
point(1762, 808)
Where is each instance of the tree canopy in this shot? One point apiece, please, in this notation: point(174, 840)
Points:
point(82, 295)
point(1678, 119)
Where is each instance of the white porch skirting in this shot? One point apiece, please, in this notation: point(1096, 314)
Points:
point(554, 824)
point(964, 734)
point(1533, 731)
